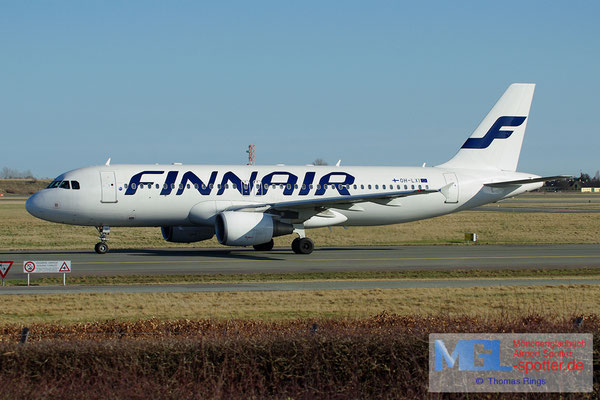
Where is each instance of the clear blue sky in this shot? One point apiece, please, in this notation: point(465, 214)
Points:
point(368, 82)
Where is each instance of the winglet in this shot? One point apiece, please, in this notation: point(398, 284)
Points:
point(107, 163)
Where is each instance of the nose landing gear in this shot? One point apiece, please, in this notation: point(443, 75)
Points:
point(102, 247)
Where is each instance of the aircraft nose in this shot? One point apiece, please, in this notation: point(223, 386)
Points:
point(35, 205)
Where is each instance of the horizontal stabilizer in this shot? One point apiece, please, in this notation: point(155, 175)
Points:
point(526, 181)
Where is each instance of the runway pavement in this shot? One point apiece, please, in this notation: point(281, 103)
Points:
point(281, 260)
point(234, 261)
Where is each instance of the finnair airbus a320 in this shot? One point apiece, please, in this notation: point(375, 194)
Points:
point(250, 205)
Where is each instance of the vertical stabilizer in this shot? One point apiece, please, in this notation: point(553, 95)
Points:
point(496, 143)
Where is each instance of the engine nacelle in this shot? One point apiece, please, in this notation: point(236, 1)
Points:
point(187, 234)
point(235, 228)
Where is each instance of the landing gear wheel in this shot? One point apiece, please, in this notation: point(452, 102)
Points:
point(264, 246)
point(303, 246)
point(101, 248)
point(296, 245)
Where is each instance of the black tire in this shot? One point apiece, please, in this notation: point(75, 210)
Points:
point(296, 245)
point(101, 248)
point(264, 246)
point(306, 246)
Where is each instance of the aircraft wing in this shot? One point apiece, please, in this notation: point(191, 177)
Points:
point(525, 181)
point(336, 202)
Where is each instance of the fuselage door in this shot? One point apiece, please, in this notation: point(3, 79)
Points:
point(451, 192)
point(109, 187)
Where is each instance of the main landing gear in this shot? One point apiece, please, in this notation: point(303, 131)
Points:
point(102, 247)
point(264, 246)
point(303, 245)
point(300, 245)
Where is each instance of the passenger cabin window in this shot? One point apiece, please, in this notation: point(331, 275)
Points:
point(65, 185)
point(74, 185)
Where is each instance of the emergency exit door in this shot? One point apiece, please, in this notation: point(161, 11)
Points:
point(109, 187)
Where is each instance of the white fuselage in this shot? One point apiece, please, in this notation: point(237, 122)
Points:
point(181, 195)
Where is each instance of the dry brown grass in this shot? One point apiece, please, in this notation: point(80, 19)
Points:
point(22, 186)
point(21, 231)
point(482, 302)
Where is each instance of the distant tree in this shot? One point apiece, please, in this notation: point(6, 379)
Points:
point(320, 161)
point(9, 173)
point(584, 177)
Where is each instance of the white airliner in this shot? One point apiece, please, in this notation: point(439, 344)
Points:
point(249, 205)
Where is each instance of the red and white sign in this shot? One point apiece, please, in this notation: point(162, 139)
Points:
point(4, 267)
point(65, 267)
point(47, 267)
point(29, 267)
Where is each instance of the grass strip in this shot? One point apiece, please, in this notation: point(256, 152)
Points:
point(276, 305)
point(21, 231)
point(313, 276)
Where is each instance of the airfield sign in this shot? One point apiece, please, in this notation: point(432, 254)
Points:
point(4, 267)
point(47, 267)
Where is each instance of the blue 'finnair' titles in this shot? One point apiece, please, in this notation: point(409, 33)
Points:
point(494, 133)
point(334, 180)
point(250, 205)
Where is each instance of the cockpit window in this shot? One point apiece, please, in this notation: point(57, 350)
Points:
point(53, 184)
point(65, 185)
point(75, 185)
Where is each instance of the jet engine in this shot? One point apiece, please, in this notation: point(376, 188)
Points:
point(187, 234)
point(235, 228)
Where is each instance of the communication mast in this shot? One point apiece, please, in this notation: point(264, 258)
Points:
point(250, 152)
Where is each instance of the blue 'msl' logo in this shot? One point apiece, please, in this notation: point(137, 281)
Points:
point(465, 353)
point(494, 133)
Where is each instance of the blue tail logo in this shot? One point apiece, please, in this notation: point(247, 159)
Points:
point(494, 133)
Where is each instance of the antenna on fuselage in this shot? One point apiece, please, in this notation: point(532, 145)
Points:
point(107, 163)
point(251, 154)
